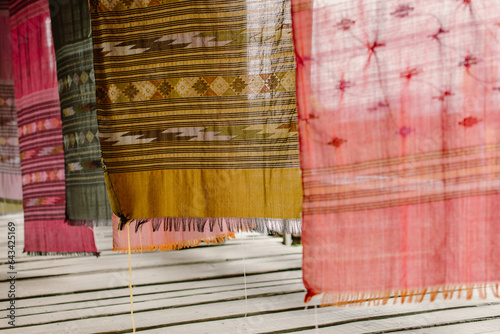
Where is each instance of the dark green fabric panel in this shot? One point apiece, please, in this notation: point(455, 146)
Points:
point(86, 196)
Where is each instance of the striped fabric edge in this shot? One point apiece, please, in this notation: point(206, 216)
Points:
point(420, 178)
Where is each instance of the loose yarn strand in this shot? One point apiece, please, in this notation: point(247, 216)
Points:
point(244, 274)
point(140, 240)
point(130, 279)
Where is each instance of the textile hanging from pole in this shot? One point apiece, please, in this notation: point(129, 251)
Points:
point(197, 116)
point(400, 145)
point(40, 136)
point(86, 196)
point(10, 169)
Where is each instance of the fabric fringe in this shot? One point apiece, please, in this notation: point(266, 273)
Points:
point(177, 245)
point(90, 223)
point(74, 222)
point(31, 253)
point(405, 296)
point(262, 225)
point(130, 279)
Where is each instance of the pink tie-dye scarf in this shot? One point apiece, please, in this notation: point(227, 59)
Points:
point(400, 147)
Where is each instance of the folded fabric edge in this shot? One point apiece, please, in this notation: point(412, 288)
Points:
point(416, 295)
point(60, 238)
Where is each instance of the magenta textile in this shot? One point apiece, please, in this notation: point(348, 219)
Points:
point(10, 173)
point(400, 146)
point(40, 134)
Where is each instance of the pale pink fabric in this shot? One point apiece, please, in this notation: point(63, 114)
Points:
point(400, 143)
point(10, 186)
point(10, 173)
point(159, 235)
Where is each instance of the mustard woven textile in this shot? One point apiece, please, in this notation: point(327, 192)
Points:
point(196, 112)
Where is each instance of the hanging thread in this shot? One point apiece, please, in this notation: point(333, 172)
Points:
point(130, 279)
point(244, 274)
point(140, 240)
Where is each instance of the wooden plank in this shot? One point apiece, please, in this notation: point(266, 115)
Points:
point(95, 323)
point(288, 277)
point(202, 290)
point(234, 249)
point(163, 302)
point(47, 286)
point(423, 322)
point(89, 266)
point(476, 327)
point(178, 298)
point(266, 314)
point(342, 320)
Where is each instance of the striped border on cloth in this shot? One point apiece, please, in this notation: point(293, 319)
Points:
point(40, 136)
point(86, 196)
point(10, 166)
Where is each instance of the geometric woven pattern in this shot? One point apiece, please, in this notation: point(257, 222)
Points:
point(39, 119)
point(80, 139)
point(220, 93)
point(196, 105)
point(197, 87)
point(85, 187)
point(45, 176)
point(10, 166)
point(46, 227)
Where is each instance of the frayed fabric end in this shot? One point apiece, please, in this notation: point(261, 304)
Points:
point(74, 222)
point(309, 295)
point(405, 296)
point(262, 225)
point(178, 244)
point(169, 233)
point(31, 253)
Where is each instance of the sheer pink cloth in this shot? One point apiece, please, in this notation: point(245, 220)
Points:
point(400, 145)
point(158, 234)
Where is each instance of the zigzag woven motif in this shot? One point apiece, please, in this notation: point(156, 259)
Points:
point(227, 88)
point(196, 110)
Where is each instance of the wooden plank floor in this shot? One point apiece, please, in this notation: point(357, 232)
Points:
point(202, 290)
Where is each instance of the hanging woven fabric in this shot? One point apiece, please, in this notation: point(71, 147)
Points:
point(197, 117)
point(400, 141)
point(10, 169)
point(86, 196)
point(47, 231)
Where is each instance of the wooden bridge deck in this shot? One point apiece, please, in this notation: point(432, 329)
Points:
point(202, 290)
